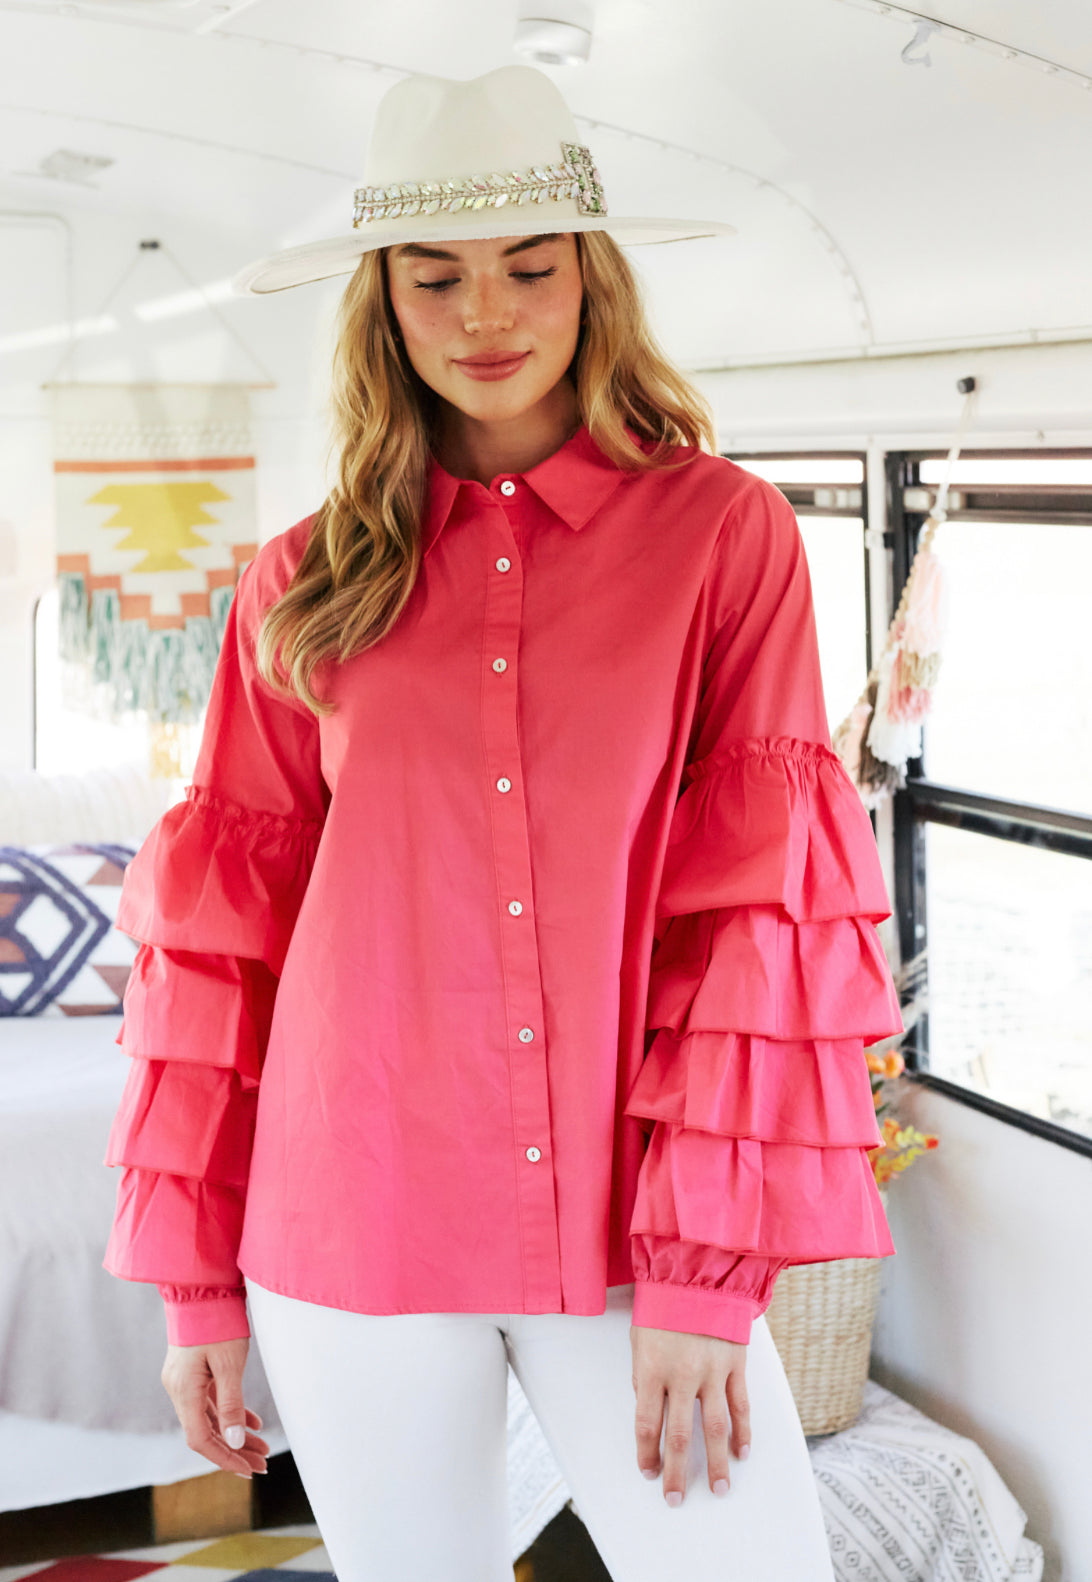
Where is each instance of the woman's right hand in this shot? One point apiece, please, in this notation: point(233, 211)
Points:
point(205, 1384)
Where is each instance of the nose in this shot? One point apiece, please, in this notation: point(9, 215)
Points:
point(488, 308)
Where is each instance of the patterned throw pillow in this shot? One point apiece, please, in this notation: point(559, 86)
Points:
point(60, 954)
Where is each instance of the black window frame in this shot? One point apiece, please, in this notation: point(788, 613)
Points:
point(925, 801)
point(812, 499)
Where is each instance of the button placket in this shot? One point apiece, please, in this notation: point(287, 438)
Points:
point(535, 1192)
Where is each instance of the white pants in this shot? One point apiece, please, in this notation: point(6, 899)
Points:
point(398, 1428)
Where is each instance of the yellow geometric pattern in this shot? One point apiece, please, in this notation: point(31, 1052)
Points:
point(160, 518)
point(249, 1551)
point(295, 1550)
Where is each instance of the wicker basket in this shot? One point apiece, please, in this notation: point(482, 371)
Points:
point(821, 1319)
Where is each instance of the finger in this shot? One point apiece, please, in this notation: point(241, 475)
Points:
point(254, 1440)
point(715, 1422)
point(648, 1423)
point(740, 1408)
point(678, 1433)
point(250, 1458)
point(200, 1425)
point(228, 1395)
point(254, 1451)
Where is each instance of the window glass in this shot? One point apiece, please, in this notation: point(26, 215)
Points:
point(806, 469)
point(1012, 707)
point(836, 563)
point(835, 549)
point(1010, 972)
point(1026, 471)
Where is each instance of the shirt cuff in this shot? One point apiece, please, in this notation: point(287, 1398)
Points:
point(694, 1310)
point(203, 1321)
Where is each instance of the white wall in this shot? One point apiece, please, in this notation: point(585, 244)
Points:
point(986, 1310)
point(66, 264)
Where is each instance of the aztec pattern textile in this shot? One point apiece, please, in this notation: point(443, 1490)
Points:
point(155, 503)
point(905, 1498)
point(289, 1554)
point(60, 953)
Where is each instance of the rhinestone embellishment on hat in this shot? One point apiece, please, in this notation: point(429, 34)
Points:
point(575, 177)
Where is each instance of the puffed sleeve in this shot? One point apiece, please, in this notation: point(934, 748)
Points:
point(212, 897)
point(768, 977)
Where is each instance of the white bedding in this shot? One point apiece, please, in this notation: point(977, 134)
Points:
point(82, 1409)
point(77, 1345)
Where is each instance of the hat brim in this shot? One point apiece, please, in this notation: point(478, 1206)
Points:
point(339, 255)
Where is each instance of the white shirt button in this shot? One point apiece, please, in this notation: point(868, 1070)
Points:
point(525, 1035)
point(508, 487)
point(504, 564)
point(533, 1154)
point(503, 784)
point(515, 907)
point(499, 665)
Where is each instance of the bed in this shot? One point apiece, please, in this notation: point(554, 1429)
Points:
point(82, 1409)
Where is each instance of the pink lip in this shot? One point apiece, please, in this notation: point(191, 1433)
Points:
point(492, 365)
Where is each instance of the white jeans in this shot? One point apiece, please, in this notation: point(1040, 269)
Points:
point(397, 1425)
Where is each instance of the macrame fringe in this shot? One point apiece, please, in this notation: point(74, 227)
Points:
point(114, 667)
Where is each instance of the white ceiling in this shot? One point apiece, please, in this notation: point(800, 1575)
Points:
point(879, 204)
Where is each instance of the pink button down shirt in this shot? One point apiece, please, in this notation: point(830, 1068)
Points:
point(545, 963)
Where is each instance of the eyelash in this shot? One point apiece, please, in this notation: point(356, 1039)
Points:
point(528, 277)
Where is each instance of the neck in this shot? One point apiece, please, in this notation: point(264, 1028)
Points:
point(469, 448)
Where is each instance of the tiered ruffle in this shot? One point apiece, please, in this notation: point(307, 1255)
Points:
point(775, 821)
point(191, 1006)
point(165, 1223)
point(767, 982)
point(212, 895)
point(217, 877)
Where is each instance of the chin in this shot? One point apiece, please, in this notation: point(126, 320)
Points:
point(491, 404)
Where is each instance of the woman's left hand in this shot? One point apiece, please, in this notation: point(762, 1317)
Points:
point(681, 1368)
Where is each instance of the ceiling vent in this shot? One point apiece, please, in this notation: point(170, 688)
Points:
point(555, 32)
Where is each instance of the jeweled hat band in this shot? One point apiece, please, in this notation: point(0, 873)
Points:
point(574, 177)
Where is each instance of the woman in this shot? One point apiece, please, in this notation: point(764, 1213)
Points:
point(504, 976)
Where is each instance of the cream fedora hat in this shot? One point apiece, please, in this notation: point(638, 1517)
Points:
point(498, 155)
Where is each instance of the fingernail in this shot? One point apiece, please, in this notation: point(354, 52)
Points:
point(674, 1498)
point(744, 1453)
point(720, 1486)
point(235, 1436)
point(245, 1475)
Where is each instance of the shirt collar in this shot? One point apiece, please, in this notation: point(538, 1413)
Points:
point(574, 482)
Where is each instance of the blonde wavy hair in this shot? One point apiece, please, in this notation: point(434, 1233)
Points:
point(364, 550)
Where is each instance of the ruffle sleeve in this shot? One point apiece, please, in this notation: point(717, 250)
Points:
point(767, 979)
point(211, 897)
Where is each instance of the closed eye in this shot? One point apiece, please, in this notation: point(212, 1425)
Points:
point(528, 276)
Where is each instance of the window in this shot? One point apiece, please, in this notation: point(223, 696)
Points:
point(994, 829)
point(827, 493)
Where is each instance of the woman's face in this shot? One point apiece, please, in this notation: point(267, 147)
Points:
point(491, 326)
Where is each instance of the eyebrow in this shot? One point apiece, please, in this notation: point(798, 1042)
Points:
point(415, 250)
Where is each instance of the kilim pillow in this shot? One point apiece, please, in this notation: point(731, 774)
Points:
point(60, 953)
